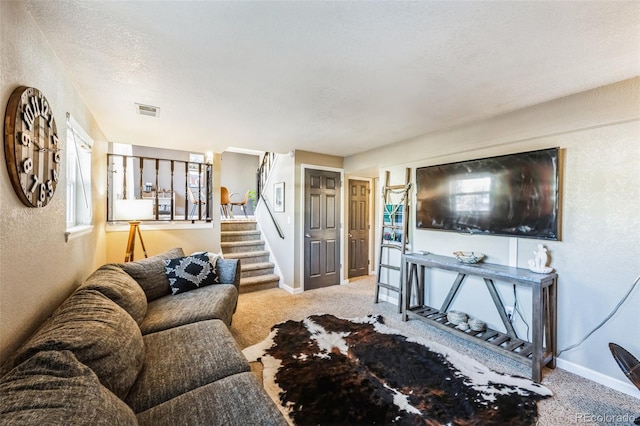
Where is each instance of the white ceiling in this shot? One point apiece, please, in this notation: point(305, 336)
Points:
point(330, 77)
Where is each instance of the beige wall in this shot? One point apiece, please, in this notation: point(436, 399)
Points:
point(38, 269)
point(157, 240)
point(598, 257)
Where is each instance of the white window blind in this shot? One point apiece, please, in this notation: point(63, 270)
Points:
point(79, 146)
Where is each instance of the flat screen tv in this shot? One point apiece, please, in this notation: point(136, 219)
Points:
point(514, 195)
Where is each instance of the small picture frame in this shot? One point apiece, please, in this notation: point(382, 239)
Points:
point(194, 179)
point(278, 197)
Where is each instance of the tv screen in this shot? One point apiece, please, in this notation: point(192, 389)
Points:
point(515, 195)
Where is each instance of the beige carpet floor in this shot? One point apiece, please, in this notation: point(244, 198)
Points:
point(576, 400)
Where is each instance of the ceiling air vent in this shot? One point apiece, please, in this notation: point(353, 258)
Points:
point(148, 110)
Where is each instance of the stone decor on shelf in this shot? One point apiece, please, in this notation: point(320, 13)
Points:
point(539, 263)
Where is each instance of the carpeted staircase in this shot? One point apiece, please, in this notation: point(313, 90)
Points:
point(242, 240)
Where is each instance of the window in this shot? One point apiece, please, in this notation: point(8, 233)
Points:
point(79, 146)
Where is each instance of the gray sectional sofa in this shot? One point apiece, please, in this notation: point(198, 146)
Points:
point(124, 350)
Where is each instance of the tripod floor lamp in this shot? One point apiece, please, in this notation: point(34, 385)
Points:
point(133, 211)
point(134, 227)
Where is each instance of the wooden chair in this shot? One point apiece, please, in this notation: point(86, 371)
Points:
point(242, 203)
point(225, 202)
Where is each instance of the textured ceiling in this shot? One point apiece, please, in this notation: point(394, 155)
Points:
point(330, 77)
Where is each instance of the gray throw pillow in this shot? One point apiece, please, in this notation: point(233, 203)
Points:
point(150, 273)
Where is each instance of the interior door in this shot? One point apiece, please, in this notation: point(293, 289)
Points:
point(321, 229)
point(358, 228)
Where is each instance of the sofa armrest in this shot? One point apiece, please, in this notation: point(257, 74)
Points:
point(229, 271)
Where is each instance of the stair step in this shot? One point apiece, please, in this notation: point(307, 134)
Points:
point(240, 225)
point(242, 240)
point(256, 269)
point(230, 236)
point(261, 282)
point(249, 256)
point(241, 246)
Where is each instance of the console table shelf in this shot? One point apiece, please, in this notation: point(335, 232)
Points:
point(517, 348)
point(543, 288)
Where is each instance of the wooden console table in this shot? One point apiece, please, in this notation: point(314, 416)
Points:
point(543, 294)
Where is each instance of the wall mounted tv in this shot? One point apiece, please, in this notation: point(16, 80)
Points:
point(514, 195)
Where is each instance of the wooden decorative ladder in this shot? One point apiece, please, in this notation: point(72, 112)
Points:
point(393, 236)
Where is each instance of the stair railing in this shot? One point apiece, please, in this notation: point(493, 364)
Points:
point(268, 160)
point(273, 219)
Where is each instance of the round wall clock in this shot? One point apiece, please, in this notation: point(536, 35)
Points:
point(31, 146)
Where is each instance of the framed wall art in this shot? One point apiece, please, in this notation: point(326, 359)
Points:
point(278, 197)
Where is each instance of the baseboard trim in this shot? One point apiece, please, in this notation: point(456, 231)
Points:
point(387, 298)
point(608, 381)
point(290, 289)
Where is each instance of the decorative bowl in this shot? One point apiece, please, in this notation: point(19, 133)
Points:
point(468, 256)
point(456, 317)
point(543, 270)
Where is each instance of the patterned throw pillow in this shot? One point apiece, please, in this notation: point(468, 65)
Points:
point(190, 272)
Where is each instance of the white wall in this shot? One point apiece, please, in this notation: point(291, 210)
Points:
point(38, 269)
point(598, 257)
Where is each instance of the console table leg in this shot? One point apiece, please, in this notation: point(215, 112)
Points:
point(552, 338)
point(538, 316)
point(406, 289)
point(421, 286)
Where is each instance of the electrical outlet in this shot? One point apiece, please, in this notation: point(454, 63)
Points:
point(509, 311)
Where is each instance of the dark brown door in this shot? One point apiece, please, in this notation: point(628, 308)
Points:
point(358, 228)
point(321, 229)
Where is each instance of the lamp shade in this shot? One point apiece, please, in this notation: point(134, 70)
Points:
point(133, 210)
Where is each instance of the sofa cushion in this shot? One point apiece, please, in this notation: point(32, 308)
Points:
point(184, 358)
point(150, 273)
point(120, 287)
point(237, 400)
point(99, 333)
point(54, 388)
point(206, 303)
point(190, 272)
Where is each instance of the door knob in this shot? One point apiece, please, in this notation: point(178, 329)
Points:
point(350, 235)
point(307, 235)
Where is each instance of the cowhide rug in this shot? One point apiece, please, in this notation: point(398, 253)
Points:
point(329, 370)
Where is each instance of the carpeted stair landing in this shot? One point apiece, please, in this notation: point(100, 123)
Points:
point(242, 240)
